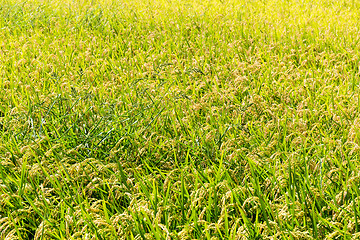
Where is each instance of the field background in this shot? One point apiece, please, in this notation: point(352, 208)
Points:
point(178, 119)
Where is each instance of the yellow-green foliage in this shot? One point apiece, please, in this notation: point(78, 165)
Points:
point(172, 119)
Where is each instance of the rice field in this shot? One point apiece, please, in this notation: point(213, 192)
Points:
point(179, 119)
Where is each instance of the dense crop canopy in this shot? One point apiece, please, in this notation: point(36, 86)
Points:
point(173, 119)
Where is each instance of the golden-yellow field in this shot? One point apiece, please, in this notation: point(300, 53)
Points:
point(169, 119)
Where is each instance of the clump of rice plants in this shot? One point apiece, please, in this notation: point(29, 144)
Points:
point(178, 119)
